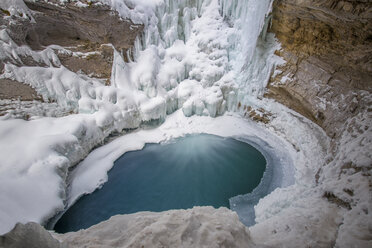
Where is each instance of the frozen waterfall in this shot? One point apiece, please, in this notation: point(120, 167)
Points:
point(201, 56)
point(204, 57)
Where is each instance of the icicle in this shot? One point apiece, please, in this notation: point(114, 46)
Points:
point(120, 73)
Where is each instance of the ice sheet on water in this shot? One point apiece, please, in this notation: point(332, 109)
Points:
point(92, 172)
point(279, 173)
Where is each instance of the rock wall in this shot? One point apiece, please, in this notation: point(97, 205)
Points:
point(328, 48)
point(68, 24)
point(79, 36)
point(327, 77)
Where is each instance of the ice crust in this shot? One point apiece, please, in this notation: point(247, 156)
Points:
point(193, 65)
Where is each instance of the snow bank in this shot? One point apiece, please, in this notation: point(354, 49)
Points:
point(35, 157)
point(197, 227)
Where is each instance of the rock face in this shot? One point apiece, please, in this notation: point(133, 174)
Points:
point(70, 24)
point(328, 48)
point(327, 78)
point(83, 37)
point(10, 89)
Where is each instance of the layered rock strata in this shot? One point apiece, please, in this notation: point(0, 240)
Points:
point(328, 49)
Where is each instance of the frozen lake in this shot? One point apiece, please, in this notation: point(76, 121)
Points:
point(198, 170)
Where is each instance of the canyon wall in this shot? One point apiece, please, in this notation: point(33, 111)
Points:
point(327, 78)
point(328, 48)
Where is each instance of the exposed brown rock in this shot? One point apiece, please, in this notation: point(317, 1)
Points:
point(257, 115)
point(84, 30)
point(96, 62)
point(328, 48)
point(68, 25)
point(326, 27)
point(332, 198)
point(10, 89)
point(291, 99)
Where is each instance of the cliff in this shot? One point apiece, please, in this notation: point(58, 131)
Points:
point(328, 48)
point(327, 77)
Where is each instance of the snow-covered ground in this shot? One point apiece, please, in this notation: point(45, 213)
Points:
point(198, 66)
point(197, 227)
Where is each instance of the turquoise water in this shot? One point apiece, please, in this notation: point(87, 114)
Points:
point(201, 170)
